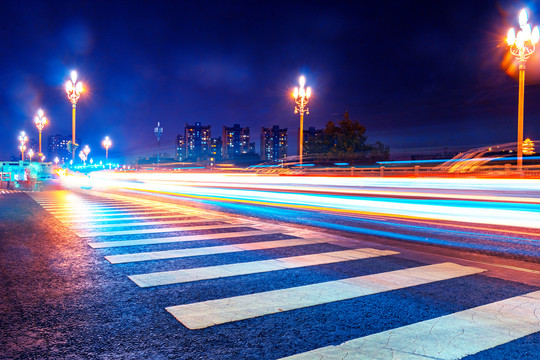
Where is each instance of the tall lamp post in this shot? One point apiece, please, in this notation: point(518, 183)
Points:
point(22, 143)
point(522, 46)
point(301, 97)
point(158, 131)
point(40, 121)
point(74, 89)
point(106, 144)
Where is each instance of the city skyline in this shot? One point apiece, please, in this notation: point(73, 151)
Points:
point(419, 77)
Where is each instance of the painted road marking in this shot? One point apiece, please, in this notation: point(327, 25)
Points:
point(57, 206)
point(173, 239)
point(86, 209)
point(87, 216)
point(162, 230)
point(254, 267)
point(447, 337)
point(130, 218)
point(208, 313)
point(151, 223)
point(211, 250)
point(99, 211)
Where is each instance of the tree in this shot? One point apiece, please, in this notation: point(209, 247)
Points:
point(346, 140)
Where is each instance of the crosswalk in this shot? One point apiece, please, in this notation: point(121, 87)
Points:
point(132, 231)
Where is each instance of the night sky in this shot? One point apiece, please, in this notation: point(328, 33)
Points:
point(421, 76)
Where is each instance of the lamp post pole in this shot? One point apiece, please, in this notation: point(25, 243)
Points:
point(74, 89)
point(40, 120)
point(522, 46)
point(301, 97)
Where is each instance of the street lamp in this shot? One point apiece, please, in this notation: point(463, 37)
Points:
point(22, 143)
point(30, 154)
point(522, 46)
point(158, 131)
point(40, 121)
point(74, 89)
point(106, 144)
point(301, 97)
point(86, 150)
point(83, 157)
point(56, 160)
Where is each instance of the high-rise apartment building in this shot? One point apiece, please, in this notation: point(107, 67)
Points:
point(309, 134)
point(57, 146)
point(215, 149)
point(180, 145)
point(197, 141)
point(235, 142)
point(273, 143)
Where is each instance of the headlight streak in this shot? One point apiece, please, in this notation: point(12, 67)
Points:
point(250, 189)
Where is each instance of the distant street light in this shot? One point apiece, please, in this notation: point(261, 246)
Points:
point(106, 144)
point(83, 157)
point(30, 154)
point(528, 147)
point(74, 89)
point(522, 46)
point(23, 139)
point(56, 160)
point(40, 121)
point(301, 97)
point(158, 131)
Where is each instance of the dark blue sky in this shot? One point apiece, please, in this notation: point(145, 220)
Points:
point(421, 76)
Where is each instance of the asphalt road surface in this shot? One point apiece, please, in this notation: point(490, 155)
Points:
point(105, 275)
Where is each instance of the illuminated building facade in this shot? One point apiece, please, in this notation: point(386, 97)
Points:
point(57, 146)
point(197, 141)
point(236, 141)
point(273, 143)
point(309, 135)
point(180, 145)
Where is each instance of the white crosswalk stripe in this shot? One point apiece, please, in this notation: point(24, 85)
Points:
point(215, 272)
point(211, 250)
point(125, 218)
point(150, 223)
point(112, 216)
point(209, 313)
point(174, 239)
point(165, 230)
point(447, 337)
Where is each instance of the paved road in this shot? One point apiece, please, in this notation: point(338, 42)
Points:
point(110, 275)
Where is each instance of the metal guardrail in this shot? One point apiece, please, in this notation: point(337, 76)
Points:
point(24, 175)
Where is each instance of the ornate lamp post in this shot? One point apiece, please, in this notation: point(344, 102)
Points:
point(23, 139)
point(74, 89)
point(30, 154)
point(301, 97)
point(522, 46)
point(40, 121)
point(106, 144)
point(158, 131)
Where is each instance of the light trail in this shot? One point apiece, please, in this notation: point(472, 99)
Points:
point(311, 193)
point(483, 215)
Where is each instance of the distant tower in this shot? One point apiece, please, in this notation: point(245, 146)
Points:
point(158, 131)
